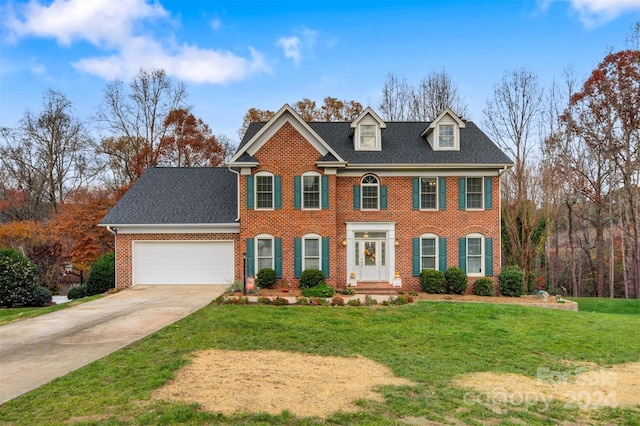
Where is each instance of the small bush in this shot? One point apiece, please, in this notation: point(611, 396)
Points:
point(321, 290)
point(41, 296)
point(337, 301)
point(354, 302)
point(18, 278)
point(301, 300)
point(456, 280)
point(280, 301)
point(483, 287)
point(511, 281)
point(311, 278)
point(266, 278)
point(370, 301)
point(265, 301)
point(432, 281)
point(102, 275)
point(318, 301)
point(77, 292)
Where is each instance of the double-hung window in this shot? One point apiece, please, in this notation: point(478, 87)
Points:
point(264, 255)
point(474, 255)
point(311, 191)
point(370, 193)
point(428, 193)
point(428, 252)
point(474, 193)
point(367, 136)
point(264, 191)
point(445, 136)
point(311, 252)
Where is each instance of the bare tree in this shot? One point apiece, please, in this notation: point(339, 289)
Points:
point(511, 117)
point(396, 99)
point(47, 155)
point(134, 115)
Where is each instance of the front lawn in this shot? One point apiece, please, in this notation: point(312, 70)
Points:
point(15, 314)
point(608, 306)
point(429, 343)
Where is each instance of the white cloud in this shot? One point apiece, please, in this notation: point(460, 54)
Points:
point(596, 12)
point(115, 25)
point(291, 46)
point(215, 24)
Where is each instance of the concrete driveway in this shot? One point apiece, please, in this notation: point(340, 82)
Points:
point(37, 350)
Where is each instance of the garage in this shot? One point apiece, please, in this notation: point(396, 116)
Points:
point(182, 262)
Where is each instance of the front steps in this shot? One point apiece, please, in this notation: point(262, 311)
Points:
point(383, 288)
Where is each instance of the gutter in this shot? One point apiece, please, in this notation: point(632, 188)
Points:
point(114, 231)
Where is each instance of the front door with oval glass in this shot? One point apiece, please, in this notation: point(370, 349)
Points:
point(370, 256)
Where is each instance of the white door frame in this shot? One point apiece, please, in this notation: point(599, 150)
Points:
point(389, 228)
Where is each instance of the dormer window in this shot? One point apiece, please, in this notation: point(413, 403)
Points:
point(366, 131)
point(367, 136)
point(445, 136)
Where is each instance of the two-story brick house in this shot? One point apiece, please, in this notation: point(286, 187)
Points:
point(364, 201)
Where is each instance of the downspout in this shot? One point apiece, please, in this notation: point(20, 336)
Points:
point(114, 231)
point(238, 196)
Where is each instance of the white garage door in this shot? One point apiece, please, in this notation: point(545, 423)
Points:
point(182, 262)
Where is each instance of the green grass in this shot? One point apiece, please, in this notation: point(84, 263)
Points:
point(16, 314)
point(608, 306)
point(428, 343)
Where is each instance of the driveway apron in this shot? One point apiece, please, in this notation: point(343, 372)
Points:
point(37, 350)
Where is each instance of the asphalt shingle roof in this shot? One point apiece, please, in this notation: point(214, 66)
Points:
point(196, 195)
point(402, 144)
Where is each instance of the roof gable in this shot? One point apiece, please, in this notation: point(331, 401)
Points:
point(286, 114)
point(368, 112)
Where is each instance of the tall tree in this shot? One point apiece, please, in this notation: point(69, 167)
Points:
point(134, 116)
point(47, 155)
point(511, 116)
point(423, 102)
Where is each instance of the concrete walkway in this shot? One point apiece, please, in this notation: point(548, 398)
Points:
point(37, 350)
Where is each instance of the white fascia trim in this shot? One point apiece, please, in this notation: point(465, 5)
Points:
point(403, 166)
point(436, 121)
point(286, 114)
point(244, 164)
point(186, 228)
point(422, 172)
point(372, 113)
point(331, 164)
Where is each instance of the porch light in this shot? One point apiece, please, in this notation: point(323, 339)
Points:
point(396, 243)
point(344, 243)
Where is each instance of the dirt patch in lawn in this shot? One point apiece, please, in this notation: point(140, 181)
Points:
point(272, 381)
point(584, 386)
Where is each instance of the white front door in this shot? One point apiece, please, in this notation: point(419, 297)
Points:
point(371, 260)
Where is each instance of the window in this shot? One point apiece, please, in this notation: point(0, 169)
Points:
point(367, 136)
point(370, 186)
point(264, 257)
point(264, 191)
point(311, 191)
point(428, 252)
point(474, 255)
point(311, 253)
point(428, 193)
point(474, 193)
point(445, 136)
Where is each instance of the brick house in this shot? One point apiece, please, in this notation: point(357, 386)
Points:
point(364, 201)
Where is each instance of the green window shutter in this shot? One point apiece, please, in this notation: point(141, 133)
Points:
point(325, 191)
point(250, 193)
point(462, 193)
point(277, 192)
point(277, 261)
point(442, 254)
point(442, 193)
point(488, 193)
point(356, 197)
point(297, 257)
point(383, 197)
point(415, 257)
point(250, 258)
point(488, 257)
point(462, 254)
point(415, 193)
point(325, 257)
point(297, 192)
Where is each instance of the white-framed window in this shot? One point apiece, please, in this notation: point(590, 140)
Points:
point(475, 255)
point(474, 193)
point(368, 136)
point(429, 251)
point(446, 136)
point(428, 193)
point(311, 190)
point(264, 252)
point(370, 193)
point(311, 252)
point(264, 191)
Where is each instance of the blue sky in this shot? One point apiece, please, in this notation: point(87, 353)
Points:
point(234, 55)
